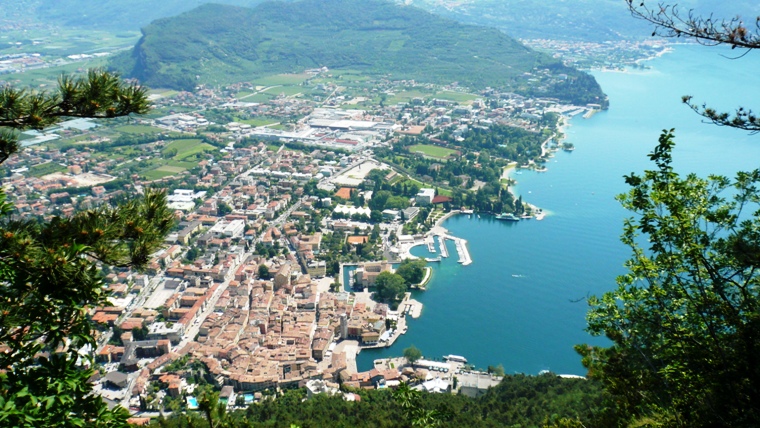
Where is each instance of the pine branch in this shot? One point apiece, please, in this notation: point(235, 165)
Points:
point(99, 95)
point(670, 22)
point(741, 119)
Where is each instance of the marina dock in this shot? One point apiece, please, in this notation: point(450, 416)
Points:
point(464, 254)
point(410, 308)
point(429, 241)
point(442, 244)
point(461, 244)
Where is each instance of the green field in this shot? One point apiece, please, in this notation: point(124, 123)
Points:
point(181, 164)
point(259, 121)
point(139, 129)
point(45, 169)
point(166, 93)
point(432, 151)
point(262, 97)
point(47, 78)
point(287, 90)
point(281, 79)
point(155, 174)
point(459, 97)
point(169, 168)
point(200, 148)
point(406, 96)
point(186, 149)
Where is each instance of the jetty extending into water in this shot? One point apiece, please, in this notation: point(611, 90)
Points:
point(461, 245)
point(430, 244)
point(404, 248)
point(464, 254)
point(442, 244)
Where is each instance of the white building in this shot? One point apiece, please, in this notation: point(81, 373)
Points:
point(425, 196)
point(345, 209)
point(232, 229)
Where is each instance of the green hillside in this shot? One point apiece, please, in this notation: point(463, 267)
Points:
point(220, 44)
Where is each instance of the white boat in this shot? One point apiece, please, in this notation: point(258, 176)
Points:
point(540, 216)
point(455, 358)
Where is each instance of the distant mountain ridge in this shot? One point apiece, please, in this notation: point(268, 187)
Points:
point(223, 44)
point(590, 20)
point(582, 20)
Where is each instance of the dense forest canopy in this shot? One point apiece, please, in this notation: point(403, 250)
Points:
point(518, 401)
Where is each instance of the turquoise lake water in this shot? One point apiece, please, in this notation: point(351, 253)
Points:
point(521, 302)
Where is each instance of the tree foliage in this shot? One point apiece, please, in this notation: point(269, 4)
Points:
point(685, 320)
point(49, 275)
point(99, 95)
point(389, 287)
point(412, 354)
point(413, 271)
point(526, 401)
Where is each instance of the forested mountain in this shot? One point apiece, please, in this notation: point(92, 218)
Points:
point(221, 44)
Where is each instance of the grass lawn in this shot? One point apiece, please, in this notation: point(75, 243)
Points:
point(431, 151)
point(155, 174)
point(406, 96)
point(281, 79)
point(139, 129)
point(459, 97)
